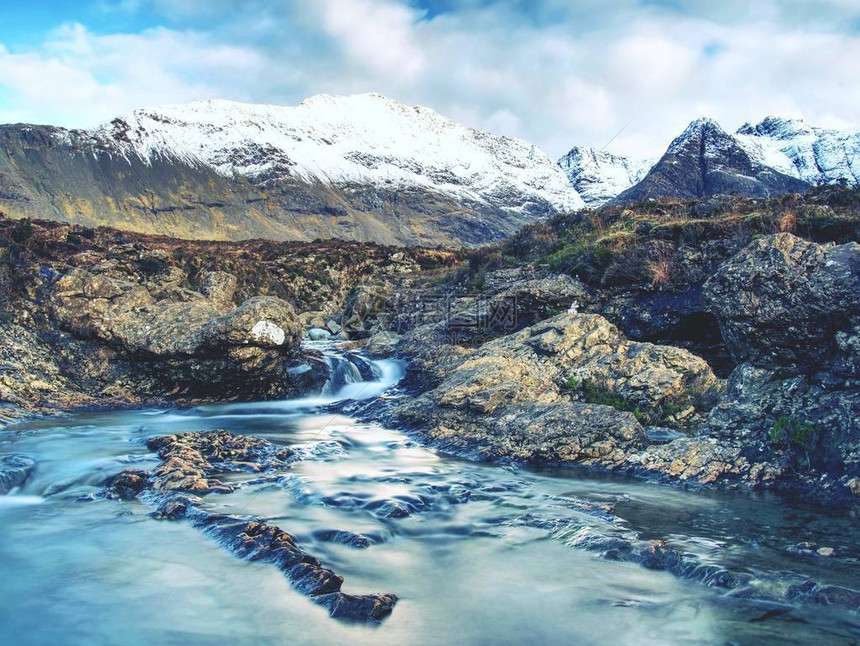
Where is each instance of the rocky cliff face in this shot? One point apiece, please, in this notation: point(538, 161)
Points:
point(705, 160)
point(359, 168)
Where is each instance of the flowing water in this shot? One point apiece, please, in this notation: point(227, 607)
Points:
point(469, 548)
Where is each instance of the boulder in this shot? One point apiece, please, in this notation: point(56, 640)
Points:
point(219, 287)
point(263, 321)
point(790, 312)
point(318, 334)
point(514, 305)
point(184, 342)
point(591, 357)
point(515, 396)
point(789, 303)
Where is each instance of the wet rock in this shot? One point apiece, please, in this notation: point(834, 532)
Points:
point(364, 607)
point(188, 461)
point(318, 334)
point(343, 537)
point(14, 471)
point(126, 485)
point(826, 595)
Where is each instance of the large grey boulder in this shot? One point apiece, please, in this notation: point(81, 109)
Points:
point(187, 341)
point(789, 310)
point(789, 303)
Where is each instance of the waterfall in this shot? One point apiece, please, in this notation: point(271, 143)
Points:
point(354, 376)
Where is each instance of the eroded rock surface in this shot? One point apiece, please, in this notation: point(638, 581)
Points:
point(789, 303)
point(544, 393)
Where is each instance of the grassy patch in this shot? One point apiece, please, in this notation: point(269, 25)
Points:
point(790, 431)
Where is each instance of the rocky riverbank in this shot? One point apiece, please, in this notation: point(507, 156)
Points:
point(102, 318)
point(742, 373)
point(573, 389)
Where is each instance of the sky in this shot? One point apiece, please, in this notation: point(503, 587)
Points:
point(622, 75)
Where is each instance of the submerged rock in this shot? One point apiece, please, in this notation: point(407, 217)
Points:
point(188, 461)
point(14, 471)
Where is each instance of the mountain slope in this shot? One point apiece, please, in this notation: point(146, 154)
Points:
point(706, 160)
point(815, 155)
point(360, 167)
point(598, 176)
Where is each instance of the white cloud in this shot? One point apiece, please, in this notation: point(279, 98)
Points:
point(559, 74)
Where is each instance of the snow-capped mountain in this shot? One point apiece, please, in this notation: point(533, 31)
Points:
point(343, 140)
point(815, 155)
point(598, 176)
point(705, 160)
point(359, 167)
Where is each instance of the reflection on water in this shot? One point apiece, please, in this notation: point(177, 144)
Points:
point(442, 534)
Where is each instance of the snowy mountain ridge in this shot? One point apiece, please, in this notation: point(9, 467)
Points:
point(815, 155)
point(756, 156)
point(344, 140)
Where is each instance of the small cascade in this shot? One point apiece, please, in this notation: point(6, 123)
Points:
point(342, 372)
point(354, 376)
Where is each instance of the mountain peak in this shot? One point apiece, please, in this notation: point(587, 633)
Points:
point(777, 127)
point(360, 166)
point(705, 160)
point(698, 130)
point(598, 175)
point(702, 125)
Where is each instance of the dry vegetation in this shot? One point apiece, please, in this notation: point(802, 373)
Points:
point(671, 244)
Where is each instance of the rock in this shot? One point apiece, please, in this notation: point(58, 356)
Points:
point(661, 381)
point(318, 334)
point(365, 304)
point(188, 461)
point(789, 303)
point(333, 326)
point(126, 485)
point(518, 304)
point(313, 320)
point(189, 457)
point(382, 344)
point(187, 346)
point(219, 287)
point(14, 471)
point(263, 321)
point(510, 399)
point(790, 312)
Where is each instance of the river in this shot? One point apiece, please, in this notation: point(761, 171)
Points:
point(477, 553)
